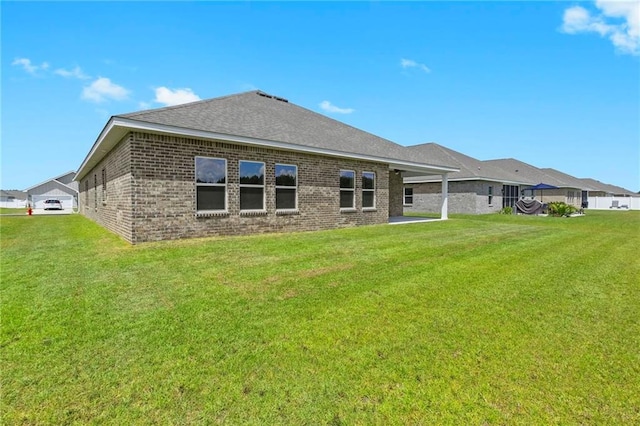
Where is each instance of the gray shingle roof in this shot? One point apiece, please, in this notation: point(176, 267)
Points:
point(596, 185)
point(528, 173)
point(568, 180)
point(261, 116)
point(470, 168)
point(20, 195)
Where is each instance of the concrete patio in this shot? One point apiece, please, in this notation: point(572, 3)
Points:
point(399, 220)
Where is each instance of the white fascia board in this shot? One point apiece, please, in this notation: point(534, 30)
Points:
point(66, 186)
point(117, 127)
point(469, 179)
point(63, 175)
point(100, 143)
point(419, 167)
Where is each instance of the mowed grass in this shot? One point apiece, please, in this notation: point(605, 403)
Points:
point(10, 210)
point(476, 320)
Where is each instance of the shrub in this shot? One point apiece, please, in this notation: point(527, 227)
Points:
point(560, 208)
point(506, 210)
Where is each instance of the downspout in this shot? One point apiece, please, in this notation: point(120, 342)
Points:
point(444, 208)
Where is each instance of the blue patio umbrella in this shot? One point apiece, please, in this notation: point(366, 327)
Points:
point(542, 186)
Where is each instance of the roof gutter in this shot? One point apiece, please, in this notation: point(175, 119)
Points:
point(425, 179)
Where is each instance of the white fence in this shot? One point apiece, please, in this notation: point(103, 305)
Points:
point(14, 204)
point(614, 203)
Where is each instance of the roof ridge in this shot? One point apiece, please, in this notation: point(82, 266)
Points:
point(505, 158)
point(137, 115)
point(188, 104)
point(444, 150)
point(448, 153)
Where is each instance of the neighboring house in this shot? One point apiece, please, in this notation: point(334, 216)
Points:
point(486, 186)
point(62, 188)
point(13, 199)
point(605, 196)
point(567, 191)
point(476, 188)
point(569, 181)
point(241, 164)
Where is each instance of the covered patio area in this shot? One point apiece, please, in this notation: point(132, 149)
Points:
point(397, 201)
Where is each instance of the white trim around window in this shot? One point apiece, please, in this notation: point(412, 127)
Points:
point(252, 187)
point(286, 179)
point(368, 191)
point(211, 186)
point(408, 196)
point(347, 190)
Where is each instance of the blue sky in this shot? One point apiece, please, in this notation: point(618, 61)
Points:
point(553, 84)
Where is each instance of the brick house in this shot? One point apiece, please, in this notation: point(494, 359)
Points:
point(568, 190)
point(240, 164)
point(480, 187)
point(476, 188)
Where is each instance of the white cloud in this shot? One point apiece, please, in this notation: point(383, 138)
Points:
point(170, 97)
point(327, 106)
point(410, 63)
point(74, 73)
point(103, 89)
point(26, 64)
point(618, 20)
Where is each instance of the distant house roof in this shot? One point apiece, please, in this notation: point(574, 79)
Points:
point(469, 168)
point(529, 173)
point(596, 185)
point(65, 179)
point(256, 118)
point(12, 193)
point(568, 180)
point(53, 184)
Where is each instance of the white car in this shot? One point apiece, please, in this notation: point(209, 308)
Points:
point(52, 205)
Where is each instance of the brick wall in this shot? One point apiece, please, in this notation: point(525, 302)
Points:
point(395, 194)
point(560, 194)
point(468, 197)
point(110, 203)
point(154, 191)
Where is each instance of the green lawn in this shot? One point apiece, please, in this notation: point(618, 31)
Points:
point(7, 210)
point(477, 320)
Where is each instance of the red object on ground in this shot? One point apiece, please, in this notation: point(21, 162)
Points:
point(30, 211)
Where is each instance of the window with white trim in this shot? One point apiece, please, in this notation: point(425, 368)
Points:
point(347, 189)
point(408, 196)
point(490, 195)
point(251, 185)
point(368, 190)
point(211, 184)
point(286, 187)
